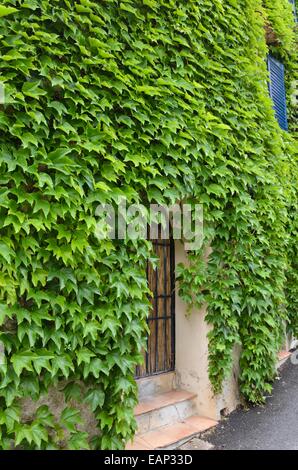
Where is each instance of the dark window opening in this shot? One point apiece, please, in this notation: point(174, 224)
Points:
point(160, 354)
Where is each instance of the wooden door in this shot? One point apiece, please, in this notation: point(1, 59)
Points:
point(160, 354)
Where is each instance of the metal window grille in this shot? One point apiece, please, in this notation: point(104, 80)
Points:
point(159, 356)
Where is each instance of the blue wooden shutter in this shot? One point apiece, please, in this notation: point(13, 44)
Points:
point(277, 91)
point(294, 9)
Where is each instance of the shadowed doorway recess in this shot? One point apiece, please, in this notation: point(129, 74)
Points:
point(160, 354)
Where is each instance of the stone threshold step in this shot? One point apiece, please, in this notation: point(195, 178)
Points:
point(282, 357)
point(156, 402)
point(168, 435)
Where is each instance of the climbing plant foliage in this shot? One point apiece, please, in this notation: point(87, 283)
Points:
point(280, 17)
point(156, 101)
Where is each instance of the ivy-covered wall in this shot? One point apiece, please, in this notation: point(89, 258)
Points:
point(157, 101)
point(280, 18)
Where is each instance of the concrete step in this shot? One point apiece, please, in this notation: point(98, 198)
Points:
point(156, 384)
point(171, 436)
point(164, 409)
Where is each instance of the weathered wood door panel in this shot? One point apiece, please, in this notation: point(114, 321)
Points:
point(160, 354)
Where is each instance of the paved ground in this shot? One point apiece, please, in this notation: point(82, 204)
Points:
point(273, 426)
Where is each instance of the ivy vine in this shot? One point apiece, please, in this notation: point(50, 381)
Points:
point(156, 101)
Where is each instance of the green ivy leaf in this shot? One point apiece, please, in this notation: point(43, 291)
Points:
point(23, 360)
point(78, 441)
point(62, 363)
point(84, 355)
point(44, 416)
point(5, 252)
point(73, 391)
point(70, 418)
point(4, 11)
point(32, 89)
point(33, 433)
point(95, 398)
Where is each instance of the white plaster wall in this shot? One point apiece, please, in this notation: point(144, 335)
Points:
point(192, 358)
